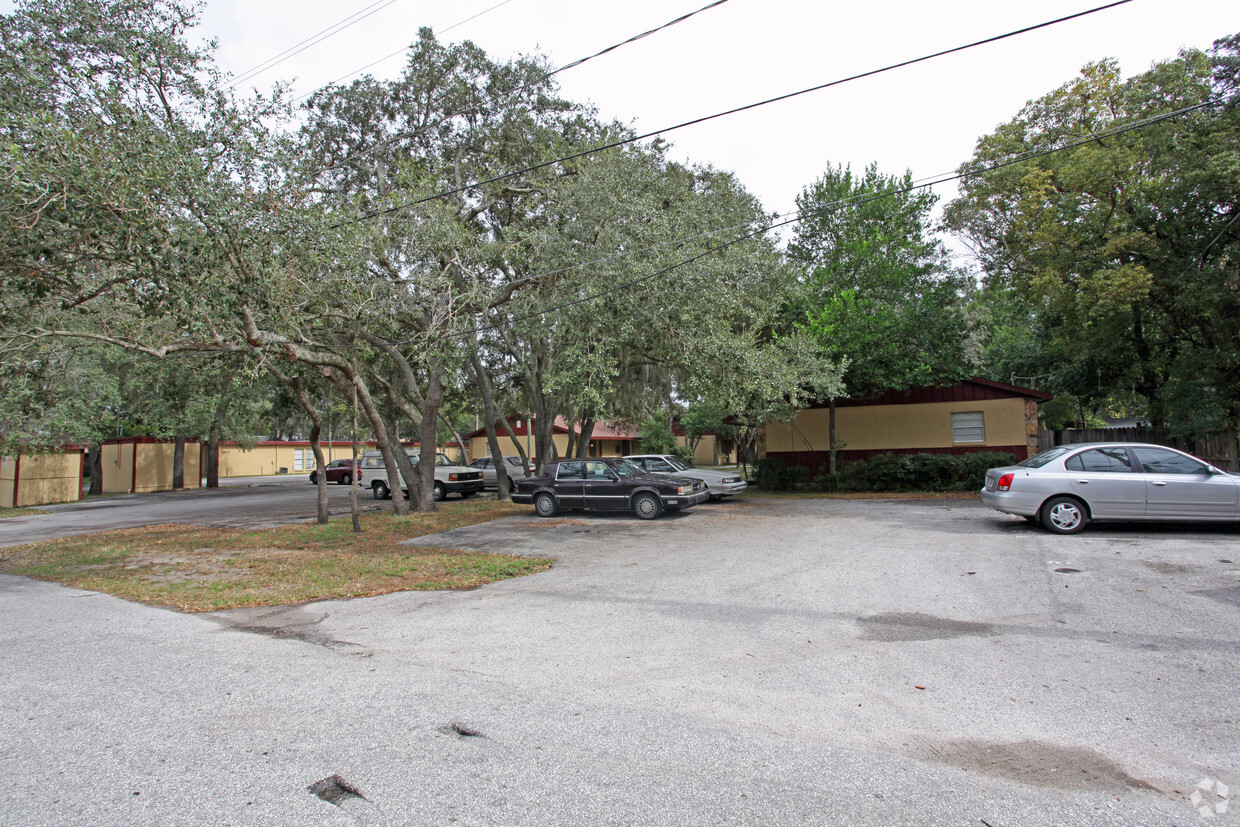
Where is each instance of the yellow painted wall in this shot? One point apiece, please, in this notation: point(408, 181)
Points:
point(117, 460)
point(153, 466)
point(478, 445)
point(894, 427)
point(42, 479)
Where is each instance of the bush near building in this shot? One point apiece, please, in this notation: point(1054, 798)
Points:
point(887, 473)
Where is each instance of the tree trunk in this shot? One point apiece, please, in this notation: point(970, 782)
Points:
point(831, 436)
point(583, 441)
point(322, 515)
point(213, 456)
point(428, 434)
point(460, 441)
point(178, 463)
point(503, 490)
point(525, 457)
point(95, 458)
point(357, 520)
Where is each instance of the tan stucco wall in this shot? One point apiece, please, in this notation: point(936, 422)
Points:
point(478, 445)
point(42, 479)
point(895, 427)
point(117, 460)
point(153, 467)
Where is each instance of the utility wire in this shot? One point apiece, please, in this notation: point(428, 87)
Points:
point(298, 48)
point(798, 216)
point(402, 50)
point(636, 138)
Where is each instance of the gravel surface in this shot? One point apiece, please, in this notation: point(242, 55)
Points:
point(755, 661)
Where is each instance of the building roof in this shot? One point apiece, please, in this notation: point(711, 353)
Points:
point(970, 390)
point(602, 430)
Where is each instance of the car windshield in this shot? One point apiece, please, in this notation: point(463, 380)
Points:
point(627, 469)
point(442, 459)
point(1038, 460)
point(675, 463)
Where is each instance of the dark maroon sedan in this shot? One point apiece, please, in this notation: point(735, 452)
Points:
point(339, 471)
point(606, 484)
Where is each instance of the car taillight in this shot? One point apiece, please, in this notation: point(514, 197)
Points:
point(1005, 482)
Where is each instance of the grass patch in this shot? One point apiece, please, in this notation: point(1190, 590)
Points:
point(200, 569)
point(19, 512)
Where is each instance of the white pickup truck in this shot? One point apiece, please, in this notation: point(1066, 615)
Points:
point(449, 478)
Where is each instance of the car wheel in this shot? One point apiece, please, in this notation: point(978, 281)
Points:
point(1064, 515)
point(347, 479)
point(314, 479)
point(439, 493)
point(546, 506)
point(380, 490)
point(647, 506)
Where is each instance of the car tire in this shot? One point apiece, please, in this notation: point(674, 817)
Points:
point(347, 479)
point(1063, 515)
point(438, 492)
point(314, 478)
point(647, 506)
point(380, 490)
point(546, 506)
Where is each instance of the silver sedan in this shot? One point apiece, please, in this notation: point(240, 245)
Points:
point(1066, 487)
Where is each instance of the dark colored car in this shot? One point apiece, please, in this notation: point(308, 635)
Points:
point(610, 484)
point(339, 471)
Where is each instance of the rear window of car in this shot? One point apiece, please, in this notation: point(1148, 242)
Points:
point(1038, 460)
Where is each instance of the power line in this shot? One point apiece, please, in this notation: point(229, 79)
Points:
point(855, 201)
point(636, 138)
point(401, 50)
point(298, 48)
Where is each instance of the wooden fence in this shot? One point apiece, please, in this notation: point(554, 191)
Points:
point(1218, 448)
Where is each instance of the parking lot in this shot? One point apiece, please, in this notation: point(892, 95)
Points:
point(756, 661)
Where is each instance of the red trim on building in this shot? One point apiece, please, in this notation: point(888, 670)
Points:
point(970, 390)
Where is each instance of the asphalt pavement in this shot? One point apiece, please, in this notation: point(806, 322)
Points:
point(756, 661)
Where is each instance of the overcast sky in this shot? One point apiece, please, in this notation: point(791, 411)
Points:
point(925, 118)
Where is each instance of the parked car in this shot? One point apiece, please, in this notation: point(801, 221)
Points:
point(610, 484)
point(1067, 487)
point(449, 478)
point(720, 483)
point(514, 465)
point(339, 471)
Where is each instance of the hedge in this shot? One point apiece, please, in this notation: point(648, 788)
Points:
point(887, 472)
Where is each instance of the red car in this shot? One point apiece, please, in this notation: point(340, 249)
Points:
point(339, 471)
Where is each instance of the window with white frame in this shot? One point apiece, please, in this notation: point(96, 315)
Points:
point(968, 427)
point(303, 459)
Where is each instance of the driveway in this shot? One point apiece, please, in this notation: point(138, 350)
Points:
point(759, 661)
point(245, 502)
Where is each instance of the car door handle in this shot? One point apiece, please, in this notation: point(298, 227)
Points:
point(1082, 482)
point(1159, 484)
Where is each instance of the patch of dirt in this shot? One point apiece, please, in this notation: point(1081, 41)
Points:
point(1038, 763)
point(891, 627)
point(1166, 568)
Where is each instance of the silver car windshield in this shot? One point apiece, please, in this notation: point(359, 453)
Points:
point(675, 463)
point(627, 469)
point(1038, 460)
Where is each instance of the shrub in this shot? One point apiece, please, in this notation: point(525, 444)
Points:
point(773, 474)
point(921, 472)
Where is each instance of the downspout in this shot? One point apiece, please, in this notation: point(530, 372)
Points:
point(17, 477)
point(133, 479)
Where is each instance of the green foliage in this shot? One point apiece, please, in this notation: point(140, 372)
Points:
point(1110, 267)
point(878, 289)
point(888, 473)
point(655, 437)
